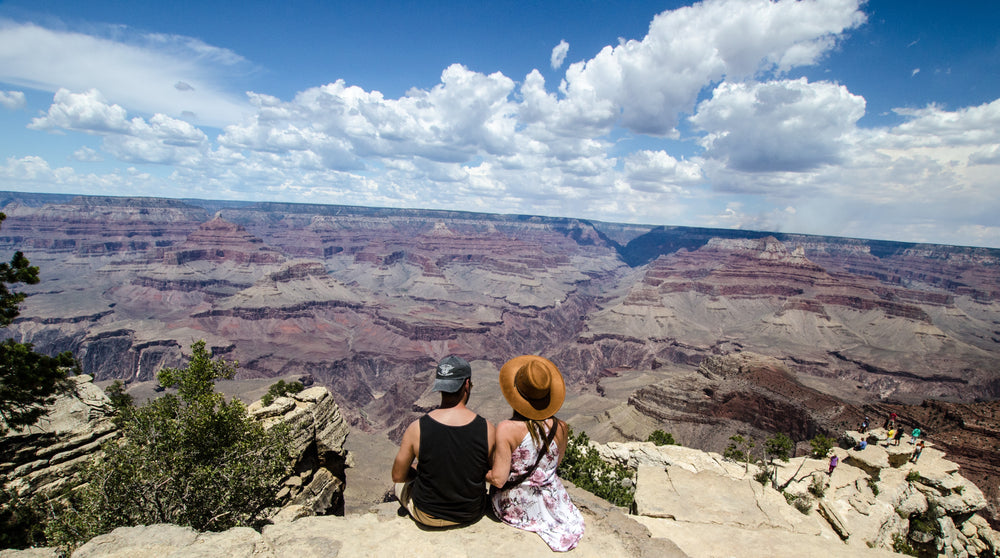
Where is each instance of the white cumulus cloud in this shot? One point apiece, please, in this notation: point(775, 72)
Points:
point(12, 100)
point(787, 125)
point(161, 139)
point(653, 80)
point(559, 54)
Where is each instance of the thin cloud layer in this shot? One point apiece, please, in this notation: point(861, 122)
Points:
point(696, 123)
point(139, 73)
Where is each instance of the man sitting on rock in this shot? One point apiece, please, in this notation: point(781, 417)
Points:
point(453, 447)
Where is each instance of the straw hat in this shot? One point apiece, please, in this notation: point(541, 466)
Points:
point(532, 386)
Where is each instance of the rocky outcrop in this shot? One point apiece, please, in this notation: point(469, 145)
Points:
point(220, 241)
point(380, 532)
point(740, 392)
point(710, 506)
point(46, 458)
point(318, 432)
point(688, 503)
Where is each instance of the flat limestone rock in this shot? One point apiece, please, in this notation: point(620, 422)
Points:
point(169, 541)
point(710, 498)
point(726, 541)
point(383, 532)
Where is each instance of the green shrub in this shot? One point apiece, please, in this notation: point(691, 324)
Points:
point(188, 459)
point(763, 477)
point(821, 446)
point(926, 522)
point(803, 504)
point(22, 520)
point(583, 466)
point(912, 476)
point(778, 446)
point(280, 389)
point(873, 485)
point(902, 546)
point(661, 438)
point(817, 487)
point(739, 449)
point(120, 401)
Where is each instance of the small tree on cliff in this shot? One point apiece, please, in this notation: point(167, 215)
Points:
point(780, 447)
point(739, 449)
point(189, 458)
point(661, 438)
point(821, 446)
point(28, 380)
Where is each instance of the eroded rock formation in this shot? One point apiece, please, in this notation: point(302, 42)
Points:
point(710, 506)
point(688, 503)
point(47, 458)
point(364, 301)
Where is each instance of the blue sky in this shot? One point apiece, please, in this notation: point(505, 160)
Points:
point(874, 120)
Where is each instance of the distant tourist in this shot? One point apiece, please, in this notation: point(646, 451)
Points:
point(833, 464)
point(898, 436)
point(452, 446)
point(864, 425)
point(889, 436)
point(914, 435)
point(862, 445)
point(917, 451)
point(528, 449)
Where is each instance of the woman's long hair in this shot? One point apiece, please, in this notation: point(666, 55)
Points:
point(536, 428)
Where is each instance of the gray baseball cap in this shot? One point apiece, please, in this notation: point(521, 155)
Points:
point(451, 374)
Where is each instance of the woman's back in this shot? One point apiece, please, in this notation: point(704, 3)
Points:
point(540, 503)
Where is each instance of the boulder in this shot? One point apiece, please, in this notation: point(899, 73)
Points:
point(833, 518)
point(871, 460)
point(278, 407)
point(31, 553)
point(953, 494)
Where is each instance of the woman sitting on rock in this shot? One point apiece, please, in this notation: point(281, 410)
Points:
point(529, 447)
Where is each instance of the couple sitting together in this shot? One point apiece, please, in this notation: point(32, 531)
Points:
point(458, 452)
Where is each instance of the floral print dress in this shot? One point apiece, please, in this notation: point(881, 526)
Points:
point(540, 503)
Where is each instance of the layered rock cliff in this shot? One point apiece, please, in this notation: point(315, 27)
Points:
point(46, 459)
point(364, 301)
point(688, 503)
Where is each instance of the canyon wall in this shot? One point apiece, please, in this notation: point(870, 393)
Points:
point(364, 301)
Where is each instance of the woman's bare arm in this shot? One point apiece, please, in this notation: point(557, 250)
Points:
point(506, 432)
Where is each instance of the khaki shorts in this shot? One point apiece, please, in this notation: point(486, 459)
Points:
point(403, 495)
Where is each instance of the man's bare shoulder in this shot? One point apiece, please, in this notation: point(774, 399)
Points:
point(412, 430)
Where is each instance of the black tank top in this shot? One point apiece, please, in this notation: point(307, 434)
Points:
point(451, 470)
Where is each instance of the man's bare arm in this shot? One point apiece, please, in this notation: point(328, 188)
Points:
point(408, 449)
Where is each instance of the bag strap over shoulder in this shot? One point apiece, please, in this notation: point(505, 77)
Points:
point(541, 453)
